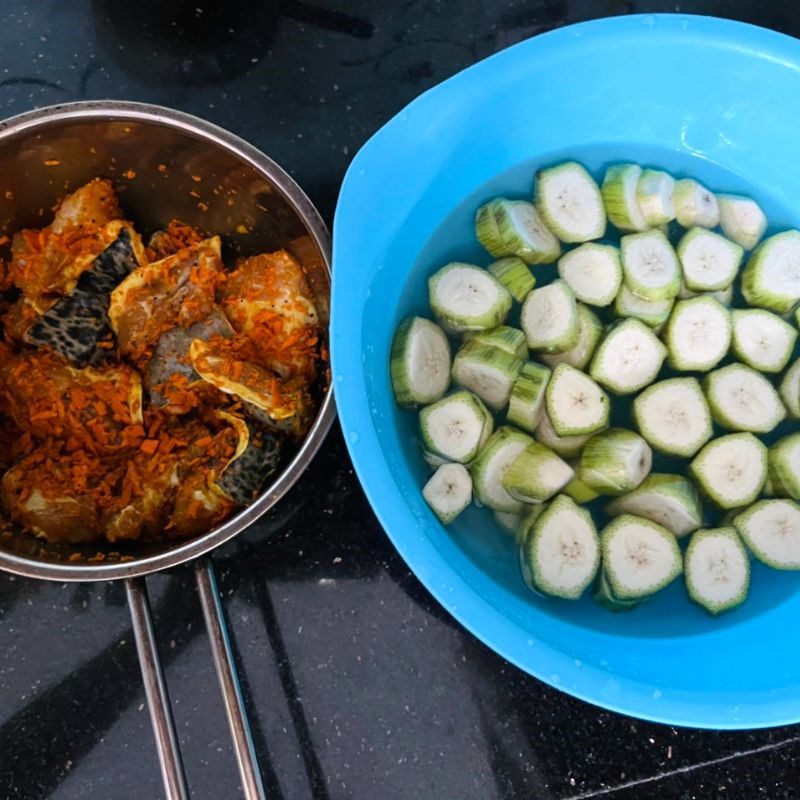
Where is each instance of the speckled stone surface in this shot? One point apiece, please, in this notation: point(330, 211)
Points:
point(359, 686)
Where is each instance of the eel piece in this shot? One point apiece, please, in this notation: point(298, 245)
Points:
point(75, 325)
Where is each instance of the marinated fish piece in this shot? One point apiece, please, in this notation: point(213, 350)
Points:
point(171, 354)
point(199, 506)
point(147, 514)
point(21, 317)
point(42, 496)
point(95, 203)
point(50, 261)
point(268, 298)
point(256, 458)
point(76, 325)
point(178, 290)
point(199, 502)
point(286, 405)
point(175, 237)
point(52, 400)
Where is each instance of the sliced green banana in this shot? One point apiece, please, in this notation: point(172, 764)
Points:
point(771, 278)
point(695, 206)
point(503, 337)
point(464, 297)
point(615, 461)
point(487, 371)
point(593, 272)
point(536, 474)
point(709, 261)
point(549, 318)
point(570, 203)
point(491, 465)
point(731, 470)
point(562, 552)
point(455, 428)
point(742, 399)
point(673, 416)
point(629, 358)
point(771, 531)
point(762, 339)
point(619, 195)
point(515, 275)
point(527, 400)
point(670, 500)
point(655, 194)
point(420, 362)
point(514, 228)
point(652, 312)
point(698, 334)
point(741, 219)
point(590, 331)
point(717, 569)
point(575, 403)
point(650, 265)
point(448, 491)
point(639, 557)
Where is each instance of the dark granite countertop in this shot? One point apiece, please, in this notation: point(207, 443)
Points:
point(359, 685)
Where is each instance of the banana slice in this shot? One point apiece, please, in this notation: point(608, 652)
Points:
point(549, 318)
point(695, 206)
point(698, 334)
point(650, 265)
point(771, 530)
point(448, 492)
point(629, 358)
point(655, 195)
point(673, 416)
point(575, 403)
point(669, 500)
point(717, 569)
point(615, 461)
point(570, 203)
point(731, 470)
point(742, 399)
point(419, 362)
point(762, 339)
point(562, 551)
point(639, 557)
point(467, 298)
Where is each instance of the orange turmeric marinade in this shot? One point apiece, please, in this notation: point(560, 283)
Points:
point(145, 391)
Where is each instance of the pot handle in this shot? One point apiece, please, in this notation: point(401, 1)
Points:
point(169, 754)
point(222, 652)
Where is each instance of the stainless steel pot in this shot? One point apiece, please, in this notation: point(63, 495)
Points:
point(166, 165)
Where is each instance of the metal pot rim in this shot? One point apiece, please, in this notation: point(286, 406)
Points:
point(294, 195)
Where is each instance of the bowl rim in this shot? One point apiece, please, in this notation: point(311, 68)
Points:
point(118, 110)
point(475, 613)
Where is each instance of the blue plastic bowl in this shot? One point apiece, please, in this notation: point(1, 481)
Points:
point(697, 96)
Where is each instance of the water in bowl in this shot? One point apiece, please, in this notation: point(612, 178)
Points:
point(475, 532)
